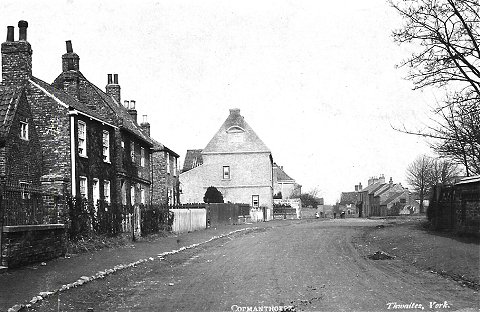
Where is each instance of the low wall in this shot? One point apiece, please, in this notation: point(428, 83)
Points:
point(188, 220)
point(26, 244)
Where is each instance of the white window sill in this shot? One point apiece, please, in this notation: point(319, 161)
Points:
point(83, 156)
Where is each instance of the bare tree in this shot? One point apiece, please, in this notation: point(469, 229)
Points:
point(448, 34)
point(419, 176)
point(444, 171)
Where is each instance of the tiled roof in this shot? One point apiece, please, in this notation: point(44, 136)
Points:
point(281, 175)
point(120, 115)
point(193, 158)
point(391, 198)
point(244, 138)
point(9, 97)
point(348, 198)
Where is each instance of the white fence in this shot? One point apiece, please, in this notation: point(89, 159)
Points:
point(187, 220)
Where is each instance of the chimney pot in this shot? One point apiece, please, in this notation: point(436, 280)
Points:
point(69, 46)
point(144, 119)
point(234, 111)
point(22, 25)
point(109, 79)
point(126, 104)
point(10, 34)
point(132, 104)
point(115, 78)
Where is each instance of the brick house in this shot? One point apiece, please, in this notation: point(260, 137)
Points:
point(74, 137)
point(236, 162)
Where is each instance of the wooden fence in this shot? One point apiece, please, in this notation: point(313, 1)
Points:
point(456, 207)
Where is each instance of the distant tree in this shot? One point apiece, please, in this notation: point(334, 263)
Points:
point(278, 195)
point(310, 198)
point(212, 195)
point(419, 176)
point(447, 34)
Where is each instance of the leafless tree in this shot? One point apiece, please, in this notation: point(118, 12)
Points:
point(448, 34)
point(444, 171)
point(419, 176)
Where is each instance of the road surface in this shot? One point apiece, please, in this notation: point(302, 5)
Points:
point(307, 265)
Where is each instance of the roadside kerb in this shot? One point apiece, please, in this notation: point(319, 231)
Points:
point(102, 274)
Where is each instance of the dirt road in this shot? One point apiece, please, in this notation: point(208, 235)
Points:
point(308, 265)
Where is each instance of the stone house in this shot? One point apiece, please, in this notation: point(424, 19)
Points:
point(283, 184)
point(236, 162)
point(75, 138)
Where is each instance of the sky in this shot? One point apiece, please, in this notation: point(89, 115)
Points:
point(316, 80)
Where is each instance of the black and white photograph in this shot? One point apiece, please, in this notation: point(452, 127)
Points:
point(245, 156)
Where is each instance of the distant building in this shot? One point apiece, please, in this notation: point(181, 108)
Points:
point(283, 184)
point(236, 162)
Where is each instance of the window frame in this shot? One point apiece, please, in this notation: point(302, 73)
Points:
point(106, 191)
point(168, 162)
point(83, 178)
point(106, 146)
point(258, 201)
point(226, 174)
point(24, 130)
point(24, 186)
point(95, 191)
point(132, 151)
point(142, 156)
point(82, 139)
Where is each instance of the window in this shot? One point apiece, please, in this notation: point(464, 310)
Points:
point(255, 201)
point(142, 156)
point(106, 146)
point(23, 130)
point(24, 186)
point(132, 151)
point(106, 191)
point(132, 195)
point(96, 191)
point(226, 172)
point(82, 138)
point(142, 196)
point(83, 187)
point(168, 162)
point(174, 167)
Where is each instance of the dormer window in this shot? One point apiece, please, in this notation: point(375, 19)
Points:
point(82, 138)
point(24, 130)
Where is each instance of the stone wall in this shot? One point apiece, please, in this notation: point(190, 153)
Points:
point(27, 244)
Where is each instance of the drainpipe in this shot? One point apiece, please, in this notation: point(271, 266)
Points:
point(73, 153)
point(2, 192)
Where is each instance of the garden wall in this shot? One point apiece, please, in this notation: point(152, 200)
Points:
point(27, 244)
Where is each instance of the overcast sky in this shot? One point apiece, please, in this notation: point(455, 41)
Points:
point(316, 80)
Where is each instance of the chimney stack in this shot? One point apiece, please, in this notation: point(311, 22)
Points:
point(10, 33)
point(356, 188)
point(113, 88)
point(132, 111)
point(70, 60)
point(22, 32)
point(16, 56)
point(145, 125)
point(359, 186)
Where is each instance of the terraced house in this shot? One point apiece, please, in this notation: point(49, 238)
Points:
point(72, 137)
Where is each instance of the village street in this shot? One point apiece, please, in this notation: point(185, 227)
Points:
point(311, 265)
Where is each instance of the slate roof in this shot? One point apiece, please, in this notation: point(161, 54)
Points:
point(235, 122)
point(9, 98)
point(193, 159)
point(372, 188)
